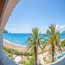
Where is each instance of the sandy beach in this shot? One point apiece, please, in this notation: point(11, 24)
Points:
point(18, 47)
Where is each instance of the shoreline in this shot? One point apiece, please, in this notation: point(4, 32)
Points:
point(14, 43)
point(18, 47)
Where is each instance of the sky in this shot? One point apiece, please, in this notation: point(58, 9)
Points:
point(36, 13)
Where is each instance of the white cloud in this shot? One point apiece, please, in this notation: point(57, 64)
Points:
point(61, 28)
point(57, 27)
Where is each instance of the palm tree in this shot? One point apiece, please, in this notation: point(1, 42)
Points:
point(54, 39)
point(34, 42)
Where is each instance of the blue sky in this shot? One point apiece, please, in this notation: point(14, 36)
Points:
point(36, 13)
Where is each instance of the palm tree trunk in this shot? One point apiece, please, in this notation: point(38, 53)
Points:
point(53, 51)
point(35, 53)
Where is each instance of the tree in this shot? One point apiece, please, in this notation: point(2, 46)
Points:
point(34, 42)
point(54, 39)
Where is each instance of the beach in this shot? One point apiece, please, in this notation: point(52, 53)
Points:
point(12, 45)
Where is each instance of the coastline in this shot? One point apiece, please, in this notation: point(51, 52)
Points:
point(8, 44)
point(18, 47)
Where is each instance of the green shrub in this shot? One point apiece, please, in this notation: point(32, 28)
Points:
point(16, 52)
point(63, 43)
point(29, 62)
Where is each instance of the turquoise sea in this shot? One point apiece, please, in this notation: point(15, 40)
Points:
point(22, 38)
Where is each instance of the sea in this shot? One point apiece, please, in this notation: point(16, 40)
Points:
point(21, 38)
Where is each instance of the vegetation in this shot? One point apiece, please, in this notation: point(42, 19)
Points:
point(16, 52)
point(29, 62)
point(54, 39)
point(63, 43)
point(34, 42)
